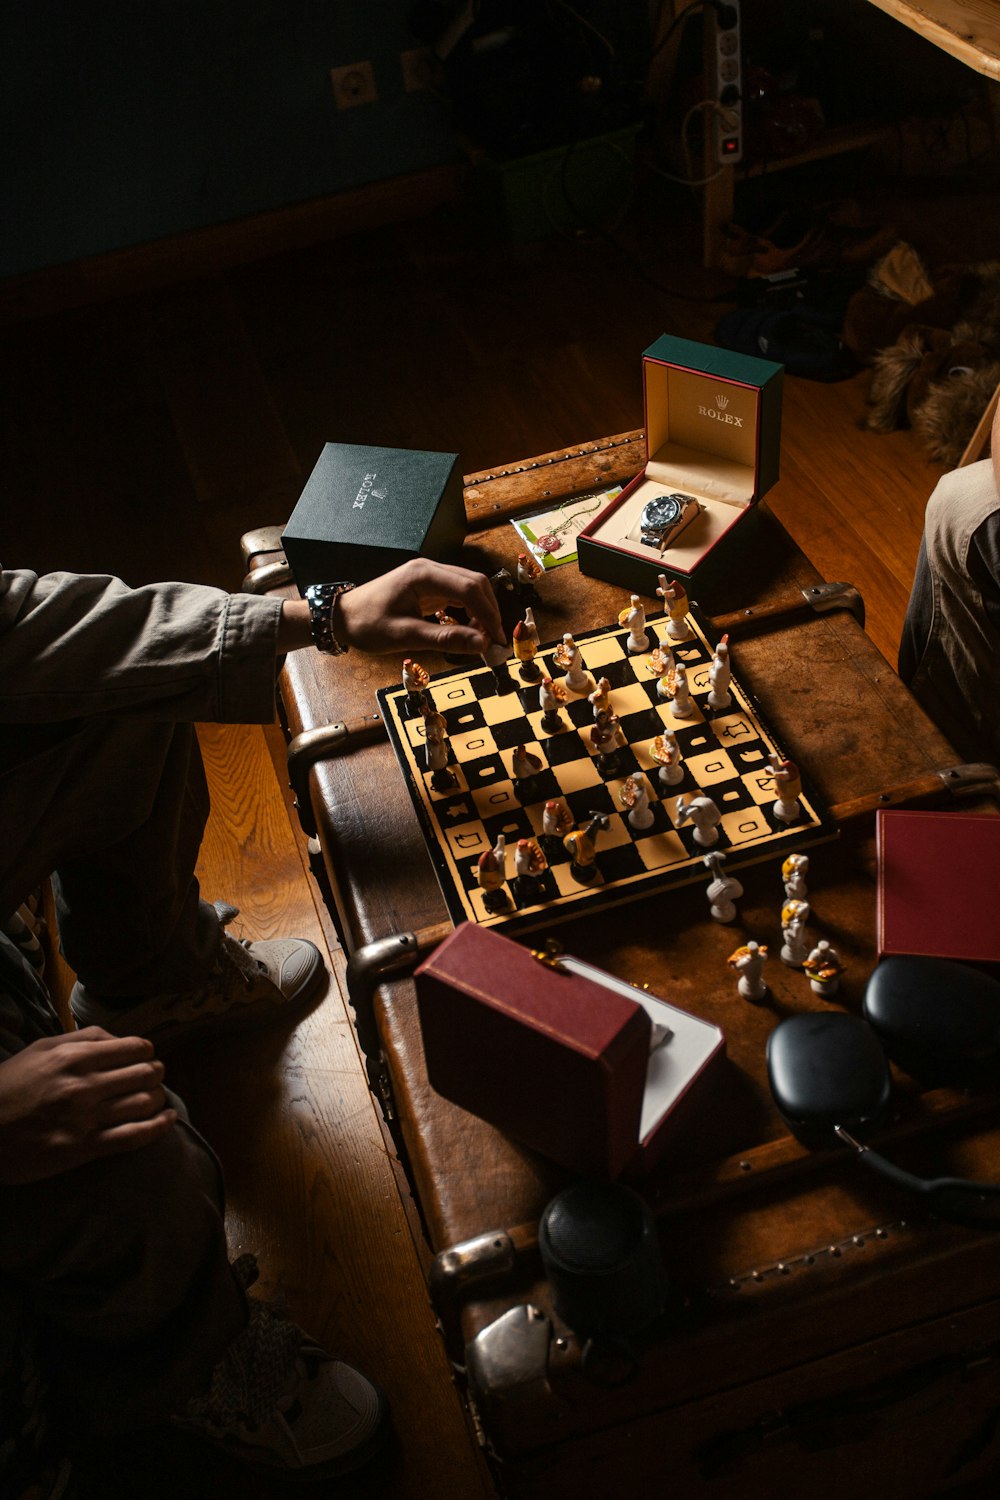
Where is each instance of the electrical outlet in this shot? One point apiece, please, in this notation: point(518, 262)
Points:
point(416, 67)
point(353, 85)
point(726, 81)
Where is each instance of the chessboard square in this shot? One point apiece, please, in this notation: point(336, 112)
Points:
point(579, 712)
point(566, 746)
point(514, 823)
point(618, 832)
point(476, 901)
point(632, 698)
point(516, 731)
point(730, 796)
point(497, 800)
point(659, 849)
point(760, 785)
point(601, 653)
point(566, 885)
point(415, 735)
point(746, 825)
point(619, 673)
point(734, 730)
point(693, 718)
point(576, 774)
point(691, 737)
point(502, 708)
point(480, 770)
point(587, 800)
point(688, 653)
point(709, 770)
point(619, 862)
point(466, 841)
point(454, 692)
point(643, 725)
point(661, 823)
point(541, 788)
point(699, 679)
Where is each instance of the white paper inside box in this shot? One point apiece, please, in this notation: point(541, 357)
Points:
point(709, 436)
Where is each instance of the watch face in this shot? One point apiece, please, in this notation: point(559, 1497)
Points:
point(664, 511)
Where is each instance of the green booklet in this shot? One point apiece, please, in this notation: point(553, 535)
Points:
point(550, 536)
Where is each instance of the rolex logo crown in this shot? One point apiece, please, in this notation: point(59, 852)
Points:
point(722, 402)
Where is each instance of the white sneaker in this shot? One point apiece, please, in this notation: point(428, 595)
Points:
point(250, 982)
point(278, 1400)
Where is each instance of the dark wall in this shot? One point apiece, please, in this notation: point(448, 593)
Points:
point(126, 120)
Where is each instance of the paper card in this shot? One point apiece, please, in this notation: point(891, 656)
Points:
point(550, 535)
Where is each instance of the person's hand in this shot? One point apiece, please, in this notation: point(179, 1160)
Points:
point(387, 614)
point(66, 1100)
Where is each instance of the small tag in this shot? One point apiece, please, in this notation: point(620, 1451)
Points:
point(550, 542)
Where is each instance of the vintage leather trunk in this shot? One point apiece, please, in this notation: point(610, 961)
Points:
point(824, 1331)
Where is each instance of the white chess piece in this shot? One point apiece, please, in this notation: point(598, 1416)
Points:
point(748, 962)
point(500, 854)
point(668, 753)
point(793, 872)
point(703, 814)
point(720, 676)
point(640, 814)
point(794, 916)
point(636, 621)
point(824, 967)
point(722, 889)
point(681, 705)
point(577, 679)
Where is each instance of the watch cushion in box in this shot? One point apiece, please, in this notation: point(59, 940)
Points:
point(713, 436)
point(365, 510)
point(560, 1057)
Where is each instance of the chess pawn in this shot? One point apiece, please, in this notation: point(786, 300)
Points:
point(794, 916)
point(748, 961)
point(720, 676)
point(551, 695)
point(415, 679)
point(525, 642)
point(667, 753)
point(525, 768)
point(557, 820)
point(442, 777)
point(723, 890)
point(703, 814)
point(793, 873)
point(824, 968)
point(681, 704)
point(567, 655)
point(662, 662)
point(635, 618)
point(490, 876)
point(600, 698)
point(605, 739)
point(788, 785)
point(529, 865)
point(634, 796)
point(675, 600)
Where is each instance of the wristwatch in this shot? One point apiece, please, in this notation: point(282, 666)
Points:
point(321, 599)
point(665, 517)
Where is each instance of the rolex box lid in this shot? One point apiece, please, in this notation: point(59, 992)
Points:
point(557, 1053)
point(365, 510)
point(713, 433)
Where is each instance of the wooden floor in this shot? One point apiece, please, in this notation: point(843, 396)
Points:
point(144, 435)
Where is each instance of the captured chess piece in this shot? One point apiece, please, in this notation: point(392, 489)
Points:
point(581, 846)
point(528, 573)
point(794, 916)
point(793, 874)
point(551, 697)
point(722, 890)
point(824, 967)
point(748, 962)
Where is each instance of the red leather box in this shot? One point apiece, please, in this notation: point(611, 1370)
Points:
point(557, 1056)
point(938, 873)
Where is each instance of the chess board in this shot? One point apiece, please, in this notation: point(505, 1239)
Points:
point(725, 756)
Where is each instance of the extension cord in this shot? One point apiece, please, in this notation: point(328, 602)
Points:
point(726, 81)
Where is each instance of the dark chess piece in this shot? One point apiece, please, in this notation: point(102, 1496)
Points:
point(581, 846)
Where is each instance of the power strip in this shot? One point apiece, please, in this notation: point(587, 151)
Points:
point(725, 78)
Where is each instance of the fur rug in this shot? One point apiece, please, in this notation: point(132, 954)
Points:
point(934, 348)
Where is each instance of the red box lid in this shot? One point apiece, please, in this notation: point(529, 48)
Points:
point(550, 1057)
point(938, 873)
